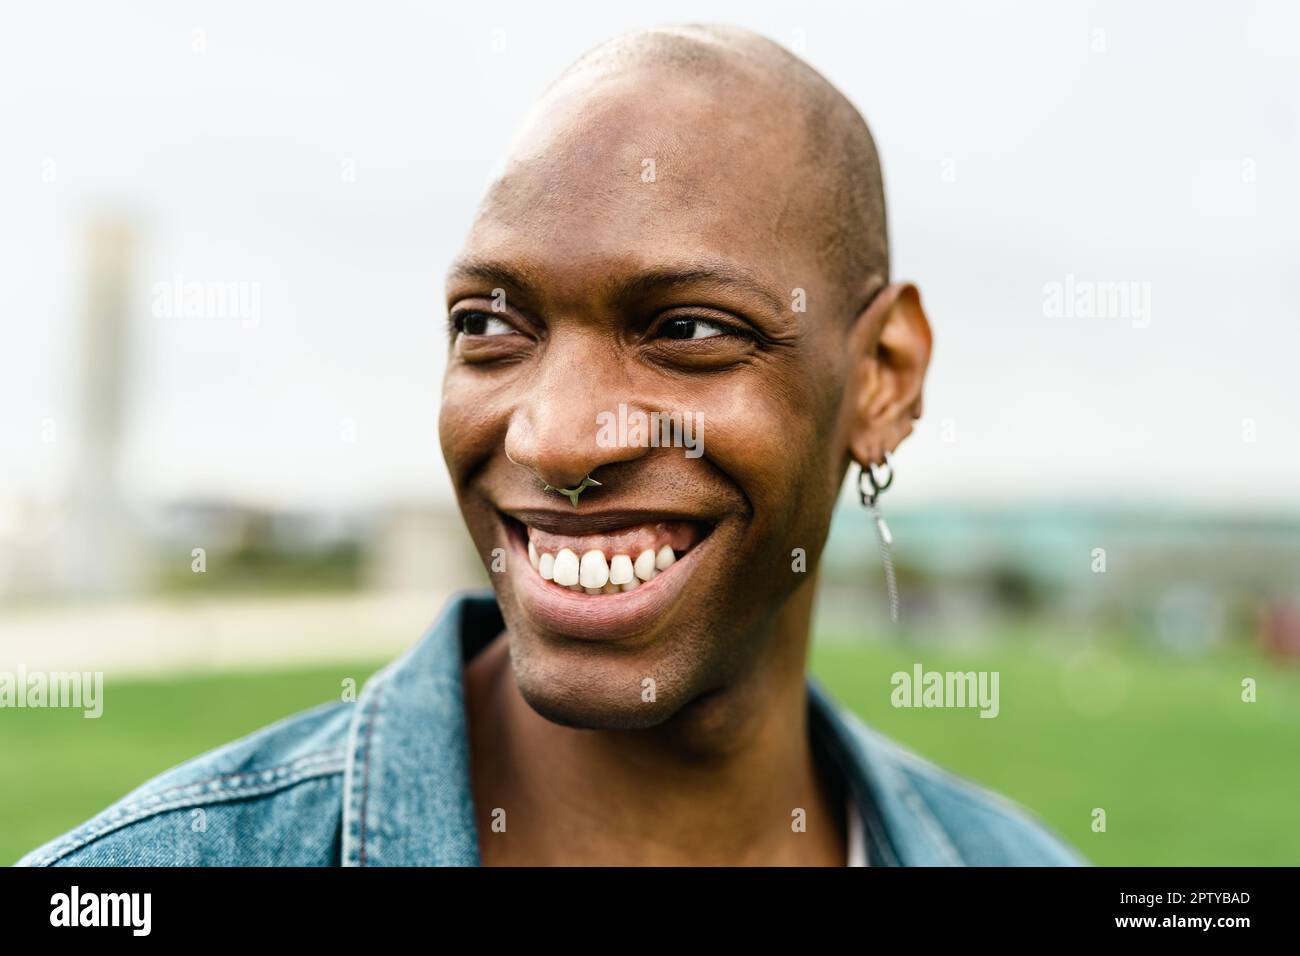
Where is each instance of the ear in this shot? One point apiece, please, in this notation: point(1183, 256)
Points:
point(890, 345)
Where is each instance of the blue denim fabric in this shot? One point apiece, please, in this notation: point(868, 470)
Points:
point(385, 781)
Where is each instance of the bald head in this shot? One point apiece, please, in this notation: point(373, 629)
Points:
point(725, 99)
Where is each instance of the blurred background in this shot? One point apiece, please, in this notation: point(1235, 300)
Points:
point(223, 237)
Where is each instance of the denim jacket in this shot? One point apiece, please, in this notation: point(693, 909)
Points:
point(385, 781)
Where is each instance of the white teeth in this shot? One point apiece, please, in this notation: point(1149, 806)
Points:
point(566, 568)
point(594, 572)
point(645, 565)
point(620, 569)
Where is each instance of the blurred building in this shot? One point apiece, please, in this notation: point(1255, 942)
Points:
point(1183, 579)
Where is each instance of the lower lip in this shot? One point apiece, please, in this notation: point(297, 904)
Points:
point(600, 617)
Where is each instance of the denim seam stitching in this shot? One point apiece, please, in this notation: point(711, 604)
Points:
point(316, 756)
point(355, 747)
point(289, 775)
point(365, 770)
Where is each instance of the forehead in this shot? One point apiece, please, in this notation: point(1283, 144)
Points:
point(639, 168)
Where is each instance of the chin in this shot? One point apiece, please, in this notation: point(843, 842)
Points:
point(597, 687)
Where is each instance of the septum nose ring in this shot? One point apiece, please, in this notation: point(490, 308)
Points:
point(588, 482)
point(571, 493)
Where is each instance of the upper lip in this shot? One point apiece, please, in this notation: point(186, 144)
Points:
point(595, 522)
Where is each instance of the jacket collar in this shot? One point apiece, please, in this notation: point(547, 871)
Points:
point(407, 798)
point(901, 829)
point(406, 789)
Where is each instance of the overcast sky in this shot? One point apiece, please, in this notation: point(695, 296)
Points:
point(333, 153)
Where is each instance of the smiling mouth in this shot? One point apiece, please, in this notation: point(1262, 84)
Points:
point(595, 555)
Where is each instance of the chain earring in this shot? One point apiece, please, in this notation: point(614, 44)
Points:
point(871, 485)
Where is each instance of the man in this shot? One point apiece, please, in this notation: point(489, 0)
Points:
point(690, 229)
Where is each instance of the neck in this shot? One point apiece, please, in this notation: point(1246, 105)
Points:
point(729, 779)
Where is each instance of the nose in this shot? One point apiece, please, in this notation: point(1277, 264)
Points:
point(556, 429)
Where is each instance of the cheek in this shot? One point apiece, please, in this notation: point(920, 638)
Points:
point(470, 425)
point(772, 443)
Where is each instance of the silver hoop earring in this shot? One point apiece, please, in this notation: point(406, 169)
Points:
point(871, 485)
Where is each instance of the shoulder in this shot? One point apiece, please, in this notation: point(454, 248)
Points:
point(274, 796)
point(956, 820)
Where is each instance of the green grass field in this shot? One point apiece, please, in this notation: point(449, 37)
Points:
point(1186, 772)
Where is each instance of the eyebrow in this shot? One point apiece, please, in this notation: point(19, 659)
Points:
point(488, 271)
point(628, 290)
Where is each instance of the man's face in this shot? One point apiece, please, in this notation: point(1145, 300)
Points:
point(650, 243)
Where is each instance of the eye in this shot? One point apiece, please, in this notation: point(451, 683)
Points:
point(481, 324)
point(688, 328)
